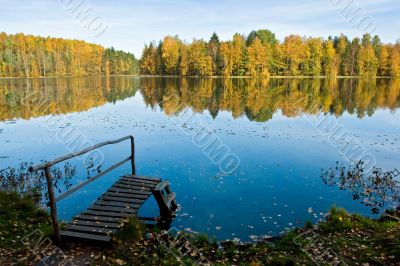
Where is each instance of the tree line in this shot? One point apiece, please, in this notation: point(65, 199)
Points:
point(261, 54)
point(33, 56)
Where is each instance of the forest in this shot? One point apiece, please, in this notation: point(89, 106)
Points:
point(32, 56)
point(261, 54)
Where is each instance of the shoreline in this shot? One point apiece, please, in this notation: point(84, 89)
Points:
point(371, 240)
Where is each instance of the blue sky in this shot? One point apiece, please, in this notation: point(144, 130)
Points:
point(130, 24)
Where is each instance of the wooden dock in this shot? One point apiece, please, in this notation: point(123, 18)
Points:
point(123, 200)
point(120, 202)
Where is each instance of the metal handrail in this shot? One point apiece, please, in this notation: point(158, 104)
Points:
point(75, 154)
point(49, 178)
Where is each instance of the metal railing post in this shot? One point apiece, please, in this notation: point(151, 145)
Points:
point(133, 155)
point(53, 207)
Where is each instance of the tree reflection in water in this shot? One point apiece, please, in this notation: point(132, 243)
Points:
point(373, 189)
point(23, 182)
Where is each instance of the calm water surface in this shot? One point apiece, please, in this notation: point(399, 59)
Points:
point(266, 123)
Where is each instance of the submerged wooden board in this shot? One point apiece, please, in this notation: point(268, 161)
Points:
point(107, 214)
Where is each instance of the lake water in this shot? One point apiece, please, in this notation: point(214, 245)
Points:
point(271, 127)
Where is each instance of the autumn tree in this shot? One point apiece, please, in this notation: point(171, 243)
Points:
point(384, 62)
point(226, 58)
point(258, 59)
point(200, 62)
point(330, 59)
point(294, 52)
point(315, 46)
point(366, 60)
point(395, 61)
point(239, 55)
point(148, 62)
point(170, 55)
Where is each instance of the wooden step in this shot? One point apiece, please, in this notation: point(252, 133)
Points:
point(108, 214)
point(91, 229)
point(135, 204)
point(143, 178)
point(86, 236)
point(86, 217)
point(113, 209)
point(96, 224)
point(127, 196)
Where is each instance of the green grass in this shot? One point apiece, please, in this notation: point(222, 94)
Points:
point(19, 217)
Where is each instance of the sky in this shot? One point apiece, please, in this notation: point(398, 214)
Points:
point(128, 25)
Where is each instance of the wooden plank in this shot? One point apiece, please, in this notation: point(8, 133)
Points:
point(149, 182)
point(108, 214)
point(137, 184)
point(96, 224)
point(112, 209)
point(98, 218)
point(116, 199)
point(128, 191)
point(85, 236)
point(160, 186)
point(136, 188)
point(131, 188)
point(143, 177)
point(118, 204)
point(90, 229)
point(170, 198)
point(128, 196)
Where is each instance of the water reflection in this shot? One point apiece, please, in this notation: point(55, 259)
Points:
point(259, 100)
point(373, 189)
point(22, 181)
point(27, 98)
point(256, 99)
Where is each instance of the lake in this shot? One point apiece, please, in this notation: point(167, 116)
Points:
point(275, 132)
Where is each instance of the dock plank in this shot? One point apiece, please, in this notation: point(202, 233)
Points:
point(136, 204)
point(137, 184)
point(128, 196)
point(83, 217)
point(113, 209)
point(107, 214)
point(96, 224)
point(128, 190)
point(142, 181)
point(143, 177)
point(85, 236)
point(92, 230)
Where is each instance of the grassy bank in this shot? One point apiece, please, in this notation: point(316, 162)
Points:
point(19, 218)
point(342, 238)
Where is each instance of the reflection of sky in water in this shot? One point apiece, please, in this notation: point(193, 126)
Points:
point(276, 185)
